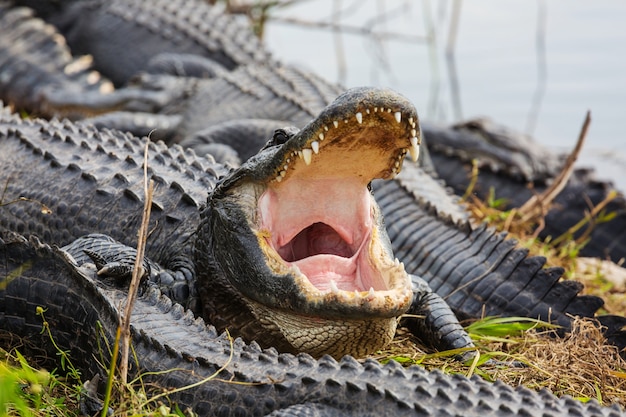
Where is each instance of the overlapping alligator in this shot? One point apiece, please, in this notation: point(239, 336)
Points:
point(217, 89)
point(104, 196)
point(428, 230)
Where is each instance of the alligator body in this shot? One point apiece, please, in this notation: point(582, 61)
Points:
point(210, 106)
point(161, 26)
point(242, 379)
point(510, 163)
point(86, 190)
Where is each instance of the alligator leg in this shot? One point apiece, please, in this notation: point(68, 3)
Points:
point(433, 320)
point(116, 260)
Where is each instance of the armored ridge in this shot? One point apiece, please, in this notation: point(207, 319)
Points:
point(241, 378)
point(186, 170)
point(149, 28)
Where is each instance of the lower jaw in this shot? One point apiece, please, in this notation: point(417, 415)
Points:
point(322, 336)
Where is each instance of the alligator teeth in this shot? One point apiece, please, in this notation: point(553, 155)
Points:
point(325, 129)
point(413, 132)
point(359, 117)
point(333, 287)
point(414, 150)
point(315, 145)
point(306, 154)
point(321, 136)
point(398, 116)
point(335, 123)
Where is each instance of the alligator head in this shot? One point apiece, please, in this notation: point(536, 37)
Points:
point(297, 238)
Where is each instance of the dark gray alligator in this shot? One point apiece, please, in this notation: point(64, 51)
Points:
point(136, 31)
point(246, 93)
point(241, 379)
point(298, 217)
point(509, 163)
point(281, 384)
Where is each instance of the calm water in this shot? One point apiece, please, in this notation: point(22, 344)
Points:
point(502, 49)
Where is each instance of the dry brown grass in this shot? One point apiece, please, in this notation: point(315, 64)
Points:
point(580, 364)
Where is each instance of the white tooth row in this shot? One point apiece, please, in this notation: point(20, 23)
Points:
point(369, 295)
point(307, 154)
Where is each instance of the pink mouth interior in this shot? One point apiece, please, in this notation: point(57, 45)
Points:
point(323, 226)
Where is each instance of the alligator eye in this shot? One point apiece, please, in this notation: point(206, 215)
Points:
point(281, 136)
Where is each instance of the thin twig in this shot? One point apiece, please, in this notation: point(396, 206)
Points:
point(138, 270)
point(537, 204)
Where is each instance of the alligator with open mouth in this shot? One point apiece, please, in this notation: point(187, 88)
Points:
point(78, 180)
point(476, 269)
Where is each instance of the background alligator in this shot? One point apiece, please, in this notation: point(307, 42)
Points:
point(479, 253)
point(206, 103)
point(242, 379)
point(498, 263)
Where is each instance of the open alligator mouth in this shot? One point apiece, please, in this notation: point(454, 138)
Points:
point(298, 240)
point(317, 219)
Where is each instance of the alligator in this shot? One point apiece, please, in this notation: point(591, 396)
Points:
point(174, 350)
point(214, 108)
point(452, 149)
point(190, 28)
point(279, 383)
point(319, 262)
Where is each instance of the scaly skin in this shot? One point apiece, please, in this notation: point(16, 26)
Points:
point(360, 293)
point(175, 350)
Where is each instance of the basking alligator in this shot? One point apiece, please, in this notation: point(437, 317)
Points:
point(165, 337)
point(296, 95)
point(290, 249)
point(509, 162)
point(241, 379)
point(206, 103)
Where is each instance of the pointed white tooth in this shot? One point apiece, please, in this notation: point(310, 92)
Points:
point(375, 109)
point(321, 136)
point(396, 262)
point(285, 167)
point(333, 287)
point(413, 132)
point(306, 154)
point(398, 116)
point(410, 120)
point(335, 123)
point(300, 154)
point(359, 117)
point(367, 111)
point(372, 292)
point(325, 128)
point(415, 149)
point(315, 145)
point(279, 178)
